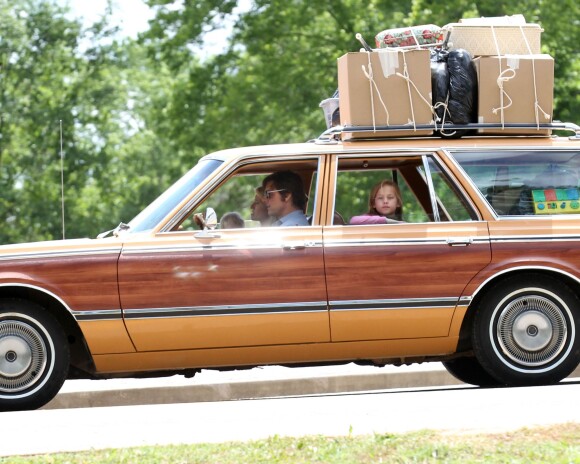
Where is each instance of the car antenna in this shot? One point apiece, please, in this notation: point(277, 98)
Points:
point(62, 180)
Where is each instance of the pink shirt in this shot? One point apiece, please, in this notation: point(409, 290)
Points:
point(367, 219)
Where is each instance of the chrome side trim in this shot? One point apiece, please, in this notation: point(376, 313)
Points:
point(288, 308)
point(398, 241)
point(98, 315)
point(411, 303)
point(443, 241)
point(204, 247)
point(227, 310)
point(465, 301)
point(535, 238)
point(59, 254)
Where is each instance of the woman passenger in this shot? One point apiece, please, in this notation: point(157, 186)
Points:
point(259, 209)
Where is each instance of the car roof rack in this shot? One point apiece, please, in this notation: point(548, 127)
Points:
point(333, 134)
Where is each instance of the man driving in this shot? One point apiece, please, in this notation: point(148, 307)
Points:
point(285, 199)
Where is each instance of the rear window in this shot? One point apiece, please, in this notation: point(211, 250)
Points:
point(524, 183)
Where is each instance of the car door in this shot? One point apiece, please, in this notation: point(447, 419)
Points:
point(403, 280)
point(225, 288)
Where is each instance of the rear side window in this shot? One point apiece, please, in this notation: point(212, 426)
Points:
point(526, 183)
point(427, 193)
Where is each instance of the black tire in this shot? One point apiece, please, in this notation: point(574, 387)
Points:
point(525, 331)
point(34, 356)
point(468, 370)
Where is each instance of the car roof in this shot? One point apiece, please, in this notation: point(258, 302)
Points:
point(392, 144)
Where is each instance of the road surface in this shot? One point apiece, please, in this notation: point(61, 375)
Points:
point(461, 409)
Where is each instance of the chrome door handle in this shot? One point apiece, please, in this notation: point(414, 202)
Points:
point(294, 246)
point(457, 242)
point(206, 234)
point(299, 245)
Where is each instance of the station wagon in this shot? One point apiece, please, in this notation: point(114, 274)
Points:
point(482, 273)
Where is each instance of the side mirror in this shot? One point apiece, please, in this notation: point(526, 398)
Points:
point(211, 221)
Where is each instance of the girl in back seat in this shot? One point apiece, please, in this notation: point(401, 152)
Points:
point(385, 205)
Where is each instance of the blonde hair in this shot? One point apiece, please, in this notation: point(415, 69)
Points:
point(386, 183)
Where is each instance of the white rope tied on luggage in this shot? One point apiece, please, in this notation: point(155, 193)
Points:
point(500, 81)
point(504, 76)
point(405, 75)
point(416, 39)
point(537, 107)
point(369, 75)
point(445, 106)
point(408, 79)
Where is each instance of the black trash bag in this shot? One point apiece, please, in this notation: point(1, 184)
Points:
point(439, 82)
point(462, 87)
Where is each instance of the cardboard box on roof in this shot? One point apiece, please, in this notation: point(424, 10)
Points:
point(515, 89)
point(384, 88)
point(481, 39)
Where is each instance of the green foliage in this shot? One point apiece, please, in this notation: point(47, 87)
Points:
point(53, 74)
point(279, 62)
point(32, 45)
point(136, 114)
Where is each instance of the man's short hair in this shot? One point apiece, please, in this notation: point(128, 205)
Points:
point(290, 182)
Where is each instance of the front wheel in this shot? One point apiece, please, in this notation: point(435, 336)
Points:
point(34, 356)
point(525, 331)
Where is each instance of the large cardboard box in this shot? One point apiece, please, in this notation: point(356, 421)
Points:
point(384, 88)
point(487, 40)
point(517, 89)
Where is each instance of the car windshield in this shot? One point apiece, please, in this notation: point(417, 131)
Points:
point(168, 200)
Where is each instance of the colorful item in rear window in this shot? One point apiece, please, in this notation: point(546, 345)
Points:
point(556, 201)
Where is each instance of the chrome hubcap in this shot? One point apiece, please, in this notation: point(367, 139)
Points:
point(532, 330)
point(16, 356)
point(22, 356)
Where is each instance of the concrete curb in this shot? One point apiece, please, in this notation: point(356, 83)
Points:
point(101, 395)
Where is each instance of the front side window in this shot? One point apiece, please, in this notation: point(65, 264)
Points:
point(247, 198)
point(526, 183)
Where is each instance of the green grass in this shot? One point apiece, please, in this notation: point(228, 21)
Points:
point(556, 444)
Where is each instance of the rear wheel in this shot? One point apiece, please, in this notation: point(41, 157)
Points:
point(525, 331)
point(34, 356)
point(468, 370)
